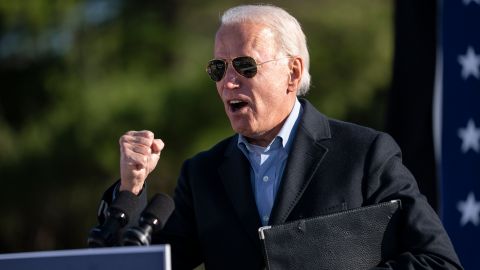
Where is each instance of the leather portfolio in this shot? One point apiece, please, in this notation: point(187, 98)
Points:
point(358, 238)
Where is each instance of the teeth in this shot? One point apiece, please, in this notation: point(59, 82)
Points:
point(235, 101)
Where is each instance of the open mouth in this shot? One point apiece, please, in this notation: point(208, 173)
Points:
point(236, 105)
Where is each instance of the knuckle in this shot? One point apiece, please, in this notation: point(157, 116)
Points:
point(124, 146)
point(149, 134)
point(138, 149)
point(142, 141)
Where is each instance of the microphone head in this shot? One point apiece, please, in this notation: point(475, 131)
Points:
point(118, 214)
point(158, 211)
point(152, 219)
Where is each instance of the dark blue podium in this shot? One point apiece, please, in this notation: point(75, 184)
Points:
point(119, 258)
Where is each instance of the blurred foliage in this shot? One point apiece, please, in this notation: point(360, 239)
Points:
point(75, 75)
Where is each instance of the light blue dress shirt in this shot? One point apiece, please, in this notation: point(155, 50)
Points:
point(268, 163)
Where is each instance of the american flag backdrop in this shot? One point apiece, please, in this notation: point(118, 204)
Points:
point(457, 125)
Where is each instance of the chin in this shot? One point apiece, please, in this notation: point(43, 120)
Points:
point(240, 130)
point(243, 130)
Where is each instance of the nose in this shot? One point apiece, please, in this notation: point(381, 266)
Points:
point(231, 85)
point(230, 81)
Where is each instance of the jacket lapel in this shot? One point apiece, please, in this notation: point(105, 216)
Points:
point(305, 157)
point(235, 175)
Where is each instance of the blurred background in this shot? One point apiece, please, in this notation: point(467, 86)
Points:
point(76, 74)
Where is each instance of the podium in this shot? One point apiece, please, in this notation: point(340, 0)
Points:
point(119, 258)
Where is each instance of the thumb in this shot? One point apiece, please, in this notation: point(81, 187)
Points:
point(157, 146)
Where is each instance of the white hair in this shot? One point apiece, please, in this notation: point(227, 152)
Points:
point(286, 28)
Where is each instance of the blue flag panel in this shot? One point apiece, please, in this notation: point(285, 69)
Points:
point(459, 115)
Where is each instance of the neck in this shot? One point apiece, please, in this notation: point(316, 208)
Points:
point(266, 138)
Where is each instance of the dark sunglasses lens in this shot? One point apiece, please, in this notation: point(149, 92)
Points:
point(216, 69)
point(245, 65)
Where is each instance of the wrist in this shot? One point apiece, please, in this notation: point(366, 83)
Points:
point(135, 189)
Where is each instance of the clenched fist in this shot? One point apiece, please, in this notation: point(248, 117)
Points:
point(139, 154)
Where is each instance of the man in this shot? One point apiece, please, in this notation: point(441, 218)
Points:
point(287, 161)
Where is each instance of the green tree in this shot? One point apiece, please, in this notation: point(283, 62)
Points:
point(77, 74)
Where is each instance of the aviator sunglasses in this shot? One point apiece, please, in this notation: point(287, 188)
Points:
point(243, 65)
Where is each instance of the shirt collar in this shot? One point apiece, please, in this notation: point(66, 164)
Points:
point(285, 131)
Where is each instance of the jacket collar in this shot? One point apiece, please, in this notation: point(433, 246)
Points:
point(306, 154)
point(305, 157)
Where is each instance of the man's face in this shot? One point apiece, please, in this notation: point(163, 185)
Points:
point(256, 107)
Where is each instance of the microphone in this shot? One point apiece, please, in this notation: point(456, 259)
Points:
point(152, 219)
point(117, 217)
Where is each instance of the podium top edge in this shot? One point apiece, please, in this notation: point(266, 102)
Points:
point(86, 252)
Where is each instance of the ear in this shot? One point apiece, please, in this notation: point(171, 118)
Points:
point(296, 71)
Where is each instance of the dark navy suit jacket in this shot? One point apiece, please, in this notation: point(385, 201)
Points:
point(332, 166)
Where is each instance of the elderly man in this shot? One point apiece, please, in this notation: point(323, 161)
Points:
point(287, 161)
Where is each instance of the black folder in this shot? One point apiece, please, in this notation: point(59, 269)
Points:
point(358, 238)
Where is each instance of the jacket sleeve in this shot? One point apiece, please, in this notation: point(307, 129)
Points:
point(107, 198)
point(424, 243)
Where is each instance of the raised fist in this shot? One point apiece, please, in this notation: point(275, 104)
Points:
point(139, 154)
